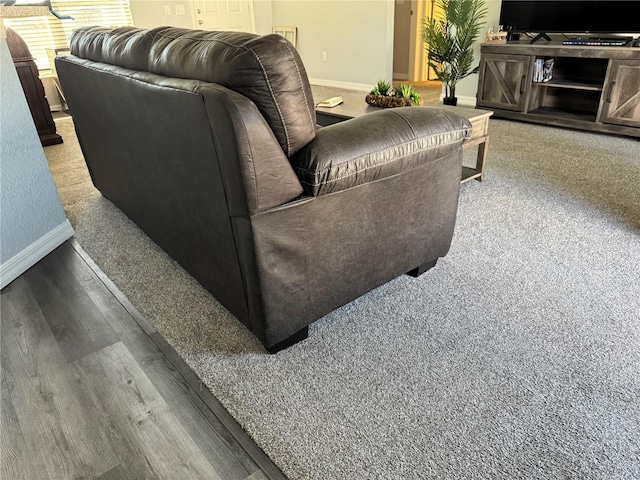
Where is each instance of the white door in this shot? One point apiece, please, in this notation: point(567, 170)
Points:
point(236, 15)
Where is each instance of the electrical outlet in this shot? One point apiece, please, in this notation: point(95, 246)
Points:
point(324, 56)
point(167, 10)
point(180, 9)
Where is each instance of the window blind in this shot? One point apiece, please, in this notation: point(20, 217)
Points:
point(42, 33)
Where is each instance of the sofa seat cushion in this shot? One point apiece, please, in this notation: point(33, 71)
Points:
point(377, 145)
point(264, 68)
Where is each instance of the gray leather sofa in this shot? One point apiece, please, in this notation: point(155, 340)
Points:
point(208, 142)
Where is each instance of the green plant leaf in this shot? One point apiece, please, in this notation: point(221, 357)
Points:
point(404, 90)
point(384, 88)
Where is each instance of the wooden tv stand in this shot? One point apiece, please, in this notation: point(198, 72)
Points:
point(593, 88)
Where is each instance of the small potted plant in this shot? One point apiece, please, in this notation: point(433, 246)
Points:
point(449, 42)
point(386, 95)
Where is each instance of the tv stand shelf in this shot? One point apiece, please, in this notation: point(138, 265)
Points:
point(573, 85)
point(592, 87)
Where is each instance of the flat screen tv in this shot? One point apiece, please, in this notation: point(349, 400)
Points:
point(571, 16)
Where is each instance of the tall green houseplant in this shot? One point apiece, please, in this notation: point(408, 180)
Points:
point(449, 41)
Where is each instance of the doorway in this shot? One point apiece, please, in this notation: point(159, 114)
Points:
point(402, 19)
point(409, 55)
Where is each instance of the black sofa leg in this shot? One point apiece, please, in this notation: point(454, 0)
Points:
point(416, 272)
point(287, 342)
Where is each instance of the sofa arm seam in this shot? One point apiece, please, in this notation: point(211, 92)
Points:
point(129, 77)
point(406, 121)
point(304, 93)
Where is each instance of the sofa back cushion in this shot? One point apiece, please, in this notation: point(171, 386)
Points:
point(266, 69)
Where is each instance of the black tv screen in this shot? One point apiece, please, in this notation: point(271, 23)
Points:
point(571, 16)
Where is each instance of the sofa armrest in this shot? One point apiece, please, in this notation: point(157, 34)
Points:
point(377, 145)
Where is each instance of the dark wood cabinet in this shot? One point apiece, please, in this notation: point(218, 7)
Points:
point(591, 88)
point(621, 105)
point(504, 81)
point(33, 89)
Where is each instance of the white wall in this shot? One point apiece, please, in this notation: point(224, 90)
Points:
point(357, 37)
point(32, 221)
point(263, 14)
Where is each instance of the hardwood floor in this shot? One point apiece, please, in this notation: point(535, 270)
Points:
point(90, 390)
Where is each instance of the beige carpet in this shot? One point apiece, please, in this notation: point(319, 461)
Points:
point(69, 171)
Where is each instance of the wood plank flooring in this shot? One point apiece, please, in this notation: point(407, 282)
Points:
point(90, 390)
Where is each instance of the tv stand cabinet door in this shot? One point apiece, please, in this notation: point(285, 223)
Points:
point(621, 101)
point(505, 81)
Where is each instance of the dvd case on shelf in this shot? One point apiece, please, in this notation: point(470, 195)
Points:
point(543, 70)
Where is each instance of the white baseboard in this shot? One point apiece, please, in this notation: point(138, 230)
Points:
point(401, 76)
point(362, 87)
point(27, 258)
point(464, 101)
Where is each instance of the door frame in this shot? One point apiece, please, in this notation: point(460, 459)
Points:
point(418, 67)
point(419, 70)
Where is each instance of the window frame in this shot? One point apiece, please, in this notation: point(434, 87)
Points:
point(44, 35)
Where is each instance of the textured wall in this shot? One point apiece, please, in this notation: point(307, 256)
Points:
point(29, 203)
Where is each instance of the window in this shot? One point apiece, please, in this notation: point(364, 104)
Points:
point(41, 33)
